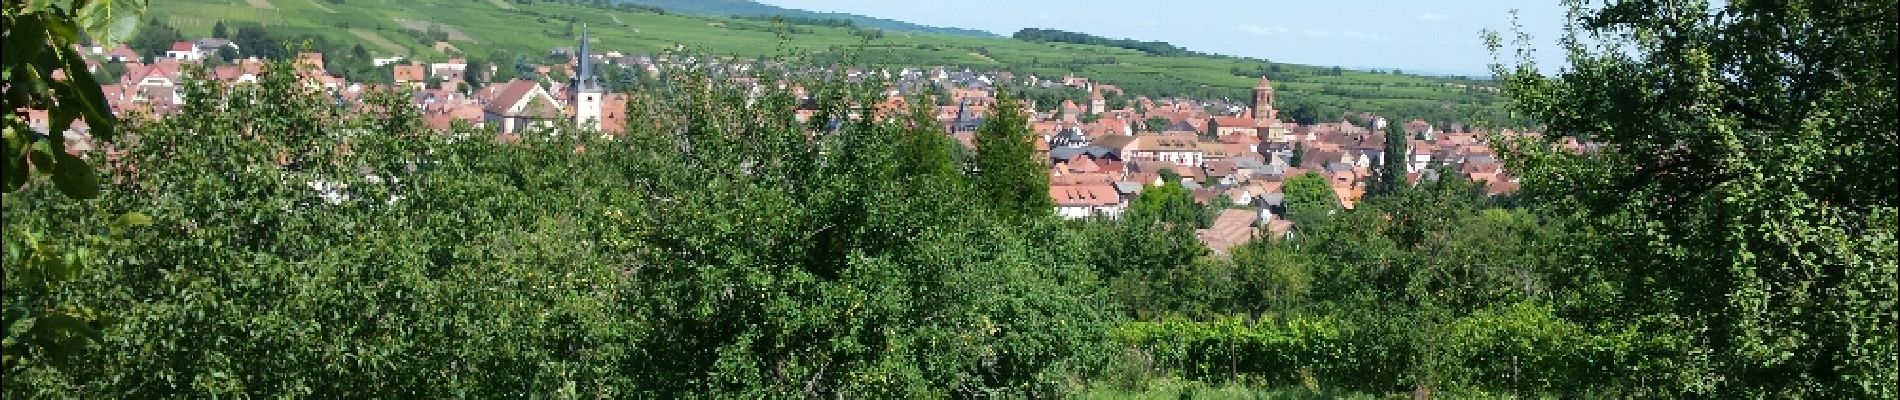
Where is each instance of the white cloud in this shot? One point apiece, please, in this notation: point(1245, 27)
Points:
point(1258, 30)
point(1363, 36)
point(1316, 33)
point(1434, 17)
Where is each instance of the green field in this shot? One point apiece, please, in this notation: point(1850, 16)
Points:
point(528, 28)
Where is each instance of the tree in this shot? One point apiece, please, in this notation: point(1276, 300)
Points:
point(1309, 199)
point(1741, 215)
point(1155, 124)
point(154, 38)
point(1395, 160)
point(258, 42)
point(1299, 154)
point(220, 31)
point(44, 328)
point(1012, 181)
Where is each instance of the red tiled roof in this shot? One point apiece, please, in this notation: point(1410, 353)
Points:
point(509, 94)
point(1233, 122)
point(409, 73)
point(1084, 195)
point(1230, 229)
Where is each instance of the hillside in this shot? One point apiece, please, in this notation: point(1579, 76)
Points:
point(480, 27)
point(753, 8)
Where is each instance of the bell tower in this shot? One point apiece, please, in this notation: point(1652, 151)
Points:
point(1263, 101)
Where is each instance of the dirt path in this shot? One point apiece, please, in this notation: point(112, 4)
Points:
point(503, 4)
point(455, 34)
point(319, 5)
point(378, 41)
point(262, 4)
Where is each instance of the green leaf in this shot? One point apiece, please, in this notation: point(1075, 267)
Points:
point(61, 30)
point(63, 335)
point(74, 178)
point(82, 93)
point(23, 40)
point(15, 158)
point(132, 219)
point(111, 21)
point(42, 156)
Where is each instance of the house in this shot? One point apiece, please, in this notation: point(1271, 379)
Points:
point(443, 118)
point(454, 66)
point(1179, 149)
point(184, 50)
point(1280, 228)
point(122, 54)
point(244, 71)
point(521, 104)
point(1231, 228)
point(1087, 200)
point(310, 62)
point(210, 46)
point(409, 75)
point(1069, 137)
point(146, 80)
point(1223, 126)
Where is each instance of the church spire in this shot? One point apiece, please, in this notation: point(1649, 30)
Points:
point(585, 79)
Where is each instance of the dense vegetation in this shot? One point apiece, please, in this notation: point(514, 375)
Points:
point(1051, 35)
point(268, 243)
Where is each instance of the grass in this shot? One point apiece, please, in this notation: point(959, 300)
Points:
point(536, 27)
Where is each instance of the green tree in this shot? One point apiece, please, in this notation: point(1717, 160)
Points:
point(1309, 199)
point(1155, 124)
point(154, 38)
point(1742, 214)
point(1395, 160)
point(220, 31)
point(44, 328)
point(1299, 155)
point(1010, 178)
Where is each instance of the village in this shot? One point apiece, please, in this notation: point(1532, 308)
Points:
point(1099, 157)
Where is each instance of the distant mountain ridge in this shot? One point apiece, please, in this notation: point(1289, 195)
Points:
point(730, 8)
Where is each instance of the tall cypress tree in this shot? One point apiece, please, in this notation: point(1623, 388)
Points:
point(1392, 171)
point(1009, 177)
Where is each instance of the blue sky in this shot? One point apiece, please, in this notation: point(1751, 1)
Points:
point(1417, 36)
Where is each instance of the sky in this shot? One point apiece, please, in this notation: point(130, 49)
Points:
point(1417, 36)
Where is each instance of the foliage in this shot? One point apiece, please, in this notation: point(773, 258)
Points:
point(153, 39)
point(42, 70)
point(339, 254)
point(1741, 183)
point(1395, 161)
point(1010, 178)
point(1309, 198)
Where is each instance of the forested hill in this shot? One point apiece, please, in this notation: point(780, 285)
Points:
point(1052, 35)
point(749, 8)
point(506, 29)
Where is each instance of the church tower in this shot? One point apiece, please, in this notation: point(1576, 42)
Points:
point(585, 92)
point(1263, 101)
